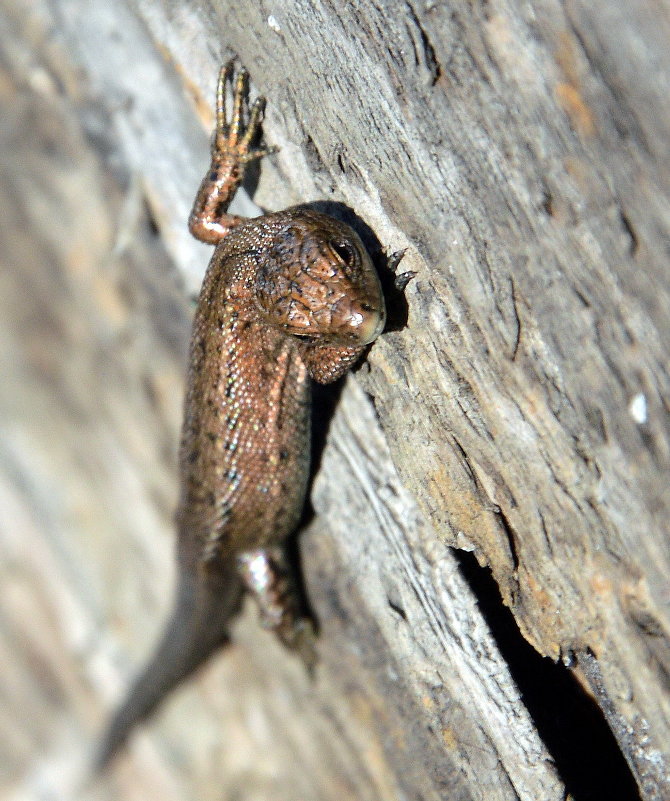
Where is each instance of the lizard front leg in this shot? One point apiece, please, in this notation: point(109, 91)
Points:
point(231, 151)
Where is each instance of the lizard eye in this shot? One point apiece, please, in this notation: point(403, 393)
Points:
point(345, 252)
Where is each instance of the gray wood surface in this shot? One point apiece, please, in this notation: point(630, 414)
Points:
point(517, 410)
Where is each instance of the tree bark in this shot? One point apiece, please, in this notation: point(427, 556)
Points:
point(488, 555)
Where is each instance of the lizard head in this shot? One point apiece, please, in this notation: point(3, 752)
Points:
point(317, 281)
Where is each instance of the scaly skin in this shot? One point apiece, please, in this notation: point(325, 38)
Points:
point(287, 297)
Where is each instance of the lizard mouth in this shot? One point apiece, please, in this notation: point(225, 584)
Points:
point(367, 323)
point(348, 323)
point(358, 323)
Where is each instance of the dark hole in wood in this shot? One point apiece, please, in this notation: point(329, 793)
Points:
point(570, 723)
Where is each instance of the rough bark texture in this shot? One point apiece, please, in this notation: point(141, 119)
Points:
point(518, 409)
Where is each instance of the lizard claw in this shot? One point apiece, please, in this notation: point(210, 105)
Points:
point(400, 282)
point(235, 137)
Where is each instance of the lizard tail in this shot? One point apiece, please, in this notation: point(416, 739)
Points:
point(198, 627)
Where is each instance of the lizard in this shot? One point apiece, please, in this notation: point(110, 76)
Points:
point(288, 297)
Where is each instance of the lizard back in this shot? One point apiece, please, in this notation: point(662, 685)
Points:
point(245, 440)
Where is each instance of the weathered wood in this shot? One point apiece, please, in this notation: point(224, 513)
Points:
point(520, 154)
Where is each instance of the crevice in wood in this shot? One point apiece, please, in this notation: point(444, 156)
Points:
point(570, 723)
point(515, 308)
point(511, 538)
point(152, 221)
point(429, 58)
point(630, 231)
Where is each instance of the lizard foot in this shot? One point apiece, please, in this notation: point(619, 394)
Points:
point(236, 137)
point(232, 149)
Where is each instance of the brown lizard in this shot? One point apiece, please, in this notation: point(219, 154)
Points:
point(287, 297)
